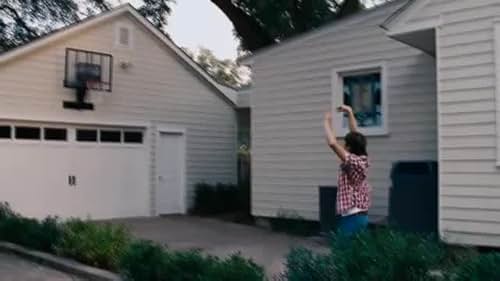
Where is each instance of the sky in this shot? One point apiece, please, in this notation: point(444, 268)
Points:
point(195, 23)
point(199, 23)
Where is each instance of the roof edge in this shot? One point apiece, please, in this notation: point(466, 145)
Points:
point(229, 95)
point(249, 59)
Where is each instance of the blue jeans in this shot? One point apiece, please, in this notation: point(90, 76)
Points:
point(353, 224)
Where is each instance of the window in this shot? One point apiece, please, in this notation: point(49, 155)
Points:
point(28, 133)
point(5, 132)
point(111, 136)
point(364, 90)
point(85, 135)
point(132, 137)
point(55, 134)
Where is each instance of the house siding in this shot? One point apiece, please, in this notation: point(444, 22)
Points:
point(469, 187)
point(292, 89)
point(158, 90)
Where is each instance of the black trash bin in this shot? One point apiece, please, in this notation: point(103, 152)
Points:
point(327, 208)
point(413, 199)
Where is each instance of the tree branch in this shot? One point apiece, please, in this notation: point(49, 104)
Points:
point(253, 35)
point(18, 19)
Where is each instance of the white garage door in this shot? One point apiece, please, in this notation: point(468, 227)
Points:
point(74, 171)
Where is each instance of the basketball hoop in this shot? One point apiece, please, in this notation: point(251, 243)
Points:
point(93, 84)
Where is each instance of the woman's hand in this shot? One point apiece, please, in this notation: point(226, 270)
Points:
point(345, 109)
point(353, 124)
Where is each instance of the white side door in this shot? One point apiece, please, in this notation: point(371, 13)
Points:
point(170, 189)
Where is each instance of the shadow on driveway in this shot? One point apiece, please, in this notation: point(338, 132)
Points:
point(220, 238)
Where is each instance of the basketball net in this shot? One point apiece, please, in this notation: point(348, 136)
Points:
point(92, 85)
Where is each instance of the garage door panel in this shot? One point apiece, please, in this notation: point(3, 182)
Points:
point(114, 186)
point(111, 179)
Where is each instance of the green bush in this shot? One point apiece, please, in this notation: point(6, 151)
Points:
point(235, 268)
point(31, 233)
point(220, 198)
point(146, 261)
point(304, 265)
point(99, 245)
point(381, 255)
point(480, 268)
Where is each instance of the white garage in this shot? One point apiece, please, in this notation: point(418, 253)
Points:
point(74, 170)
point(108, 118)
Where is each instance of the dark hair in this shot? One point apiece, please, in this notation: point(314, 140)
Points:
point(356, 143)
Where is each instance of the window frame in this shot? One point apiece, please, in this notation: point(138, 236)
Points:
point(44, 135)
point(26, 126)
point(338, 75)
point(11, 132)
point(112, 130)
point(80, 142)
point(125, 131)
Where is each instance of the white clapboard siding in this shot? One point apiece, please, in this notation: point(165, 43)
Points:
point(470, 179)
point(157, 89)
point(292, 90)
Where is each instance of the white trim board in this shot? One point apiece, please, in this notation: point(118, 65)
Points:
point(337, 97)
point(497, 91)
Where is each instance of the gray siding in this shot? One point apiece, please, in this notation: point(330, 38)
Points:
point(470, 190)
point(292, 89)
point(158, 89)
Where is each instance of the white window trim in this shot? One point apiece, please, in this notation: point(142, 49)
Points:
point(118, 44)
point(337, 97)
point(497, 90)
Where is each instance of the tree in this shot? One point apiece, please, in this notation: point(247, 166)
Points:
point(260, 23)
point(225, 72)
point(22, 21)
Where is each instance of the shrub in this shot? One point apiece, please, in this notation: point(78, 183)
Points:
point(99, 245)
point(304, 265)
point(31, 233)
point(382, 255)
point(220, 198)
point(146, 261)
point(480, 268)
point(386, 255)
point(235, 268)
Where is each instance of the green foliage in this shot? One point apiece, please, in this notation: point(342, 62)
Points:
point(292, 223)
point(220, 199)
point(146, 261)
point(31, 233)
point(304, 265)
point(480, 268)
point(99, 245)
point(381, 255)
point(23, 21)
point(226, 72)
point(386, 255)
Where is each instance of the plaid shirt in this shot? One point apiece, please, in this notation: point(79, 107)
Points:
point(353, 188)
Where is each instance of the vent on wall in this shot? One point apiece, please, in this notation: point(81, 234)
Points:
point(123, 36)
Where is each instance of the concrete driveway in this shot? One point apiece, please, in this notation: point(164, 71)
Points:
point(13, 268)
point(219, 238)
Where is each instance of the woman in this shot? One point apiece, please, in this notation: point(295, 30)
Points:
point(353, 195)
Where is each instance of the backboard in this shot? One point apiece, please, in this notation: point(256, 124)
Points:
point(88, 69)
